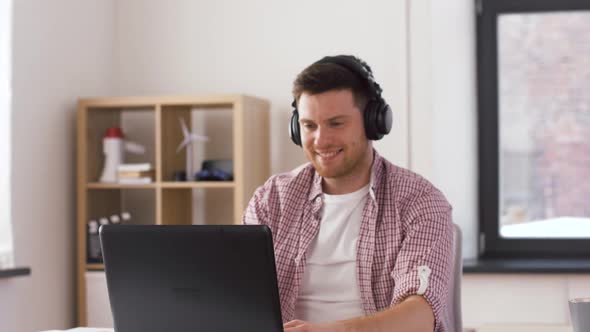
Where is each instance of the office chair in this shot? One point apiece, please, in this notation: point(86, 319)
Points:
point(454, 322)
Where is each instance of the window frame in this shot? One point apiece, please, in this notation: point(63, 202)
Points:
point(491, 245)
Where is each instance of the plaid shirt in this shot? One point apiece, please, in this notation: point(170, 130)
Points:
point(406, 223)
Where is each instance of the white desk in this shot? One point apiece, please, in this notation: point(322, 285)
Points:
point(485, 328)
point(524, 328)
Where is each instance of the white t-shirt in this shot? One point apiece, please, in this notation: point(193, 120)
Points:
point(329, 290)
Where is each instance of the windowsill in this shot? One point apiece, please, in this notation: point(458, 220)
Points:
point(15, 272)
point(536, 265)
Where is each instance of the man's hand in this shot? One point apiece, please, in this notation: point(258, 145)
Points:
point(413, 314)
point(302, 326)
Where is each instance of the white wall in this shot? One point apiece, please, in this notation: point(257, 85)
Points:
point(257, 47)
point(454, 141)
point(443, 142)
point(62, 49)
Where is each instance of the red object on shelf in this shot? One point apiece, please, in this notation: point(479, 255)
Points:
point(114, 132)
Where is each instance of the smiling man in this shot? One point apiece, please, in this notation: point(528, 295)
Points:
point(360, 244)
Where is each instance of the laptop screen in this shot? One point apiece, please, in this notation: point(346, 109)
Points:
point(191, 278)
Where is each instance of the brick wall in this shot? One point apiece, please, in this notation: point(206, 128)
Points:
point(544, 71)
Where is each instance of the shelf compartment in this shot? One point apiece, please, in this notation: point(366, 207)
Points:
point(175, 207)
point(109, 201)
point(137, 124)
point(186, 206)
point(214, 122)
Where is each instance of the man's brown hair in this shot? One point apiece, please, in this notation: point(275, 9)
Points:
point(322, 77)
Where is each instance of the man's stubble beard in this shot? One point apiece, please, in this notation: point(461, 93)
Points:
point(348, 166)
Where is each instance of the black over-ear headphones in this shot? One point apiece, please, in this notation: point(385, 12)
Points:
point(377, 114)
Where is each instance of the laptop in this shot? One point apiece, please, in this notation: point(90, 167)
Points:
point(191, 278)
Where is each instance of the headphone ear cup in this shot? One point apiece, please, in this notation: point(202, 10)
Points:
point(369, 116)
point(294, 131)
point(385, 118)
point(378, 119)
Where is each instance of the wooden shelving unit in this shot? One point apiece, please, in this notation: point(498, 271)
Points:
point(238, 128)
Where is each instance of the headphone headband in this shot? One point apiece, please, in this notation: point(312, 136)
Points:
point(357, 66)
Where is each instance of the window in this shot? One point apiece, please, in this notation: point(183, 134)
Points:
point(5, 120)
point(534, 127)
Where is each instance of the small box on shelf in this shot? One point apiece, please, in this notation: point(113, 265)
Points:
point(138, 173)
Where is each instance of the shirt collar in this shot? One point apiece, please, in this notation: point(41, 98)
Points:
point(376, 171)
point(316, 186)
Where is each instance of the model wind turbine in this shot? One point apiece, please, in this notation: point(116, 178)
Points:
point(187, 142)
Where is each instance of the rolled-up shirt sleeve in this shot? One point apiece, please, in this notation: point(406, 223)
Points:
point(425, 261)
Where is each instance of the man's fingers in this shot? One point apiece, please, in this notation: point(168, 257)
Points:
point(298, 328)
point(293, 323)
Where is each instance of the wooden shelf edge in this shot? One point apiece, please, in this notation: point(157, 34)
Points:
point(152, 101)
point(98, 185)
point(94, 267)
point(196, 185)
point(165, 184)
